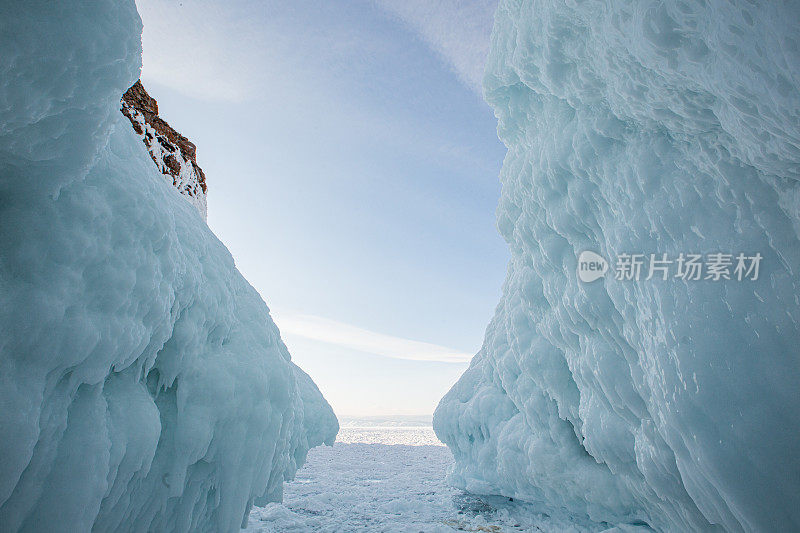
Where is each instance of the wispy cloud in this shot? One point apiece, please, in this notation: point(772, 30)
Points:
point(237, 50)
point(457, 30)
point(355, 338)
point(228, 50)
point(188, 49)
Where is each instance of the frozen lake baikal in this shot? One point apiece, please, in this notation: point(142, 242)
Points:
point(390, 475)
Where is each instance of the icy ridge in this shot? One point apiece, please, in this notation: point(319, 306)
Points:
point(642, 127)
point(143, 383)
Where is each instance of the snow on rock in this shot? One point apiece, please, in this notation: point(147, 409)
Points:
point(173, 154)
point(644, 127)
point(143, 384)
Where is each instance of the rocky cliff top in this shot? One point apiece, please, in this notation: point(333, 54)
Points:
point(173, 154)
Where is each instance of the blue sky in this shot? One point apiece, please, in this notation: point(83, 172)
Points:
point(352, 169)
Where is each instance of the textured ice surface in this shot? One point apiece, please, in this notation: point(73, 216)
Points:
point(143, 384)
point(656, 128)
point(377, 488)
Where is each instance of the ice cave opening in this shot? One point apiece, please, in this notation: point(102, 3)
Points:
point(641, 369)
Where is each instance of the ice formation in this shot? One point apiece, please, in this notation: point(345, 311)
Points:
point(143, 384)
point(652, 127)
point(173, 154)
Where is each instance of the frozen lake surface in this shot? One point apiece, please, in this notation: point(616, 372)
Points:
point(392, 477)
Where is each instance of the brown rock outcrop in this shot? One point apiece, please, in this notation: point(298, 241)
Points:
point(173, 154)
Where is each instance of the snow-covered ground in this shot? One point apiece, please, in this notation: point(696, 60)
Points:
point(383, 478)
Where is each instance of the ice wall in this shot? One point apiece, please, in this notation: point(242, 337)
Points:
point(642, 127)
point(143, 384)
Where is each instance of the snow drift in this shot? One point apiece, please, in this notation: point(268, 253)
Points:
point(652, 127)
point(143, 384)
